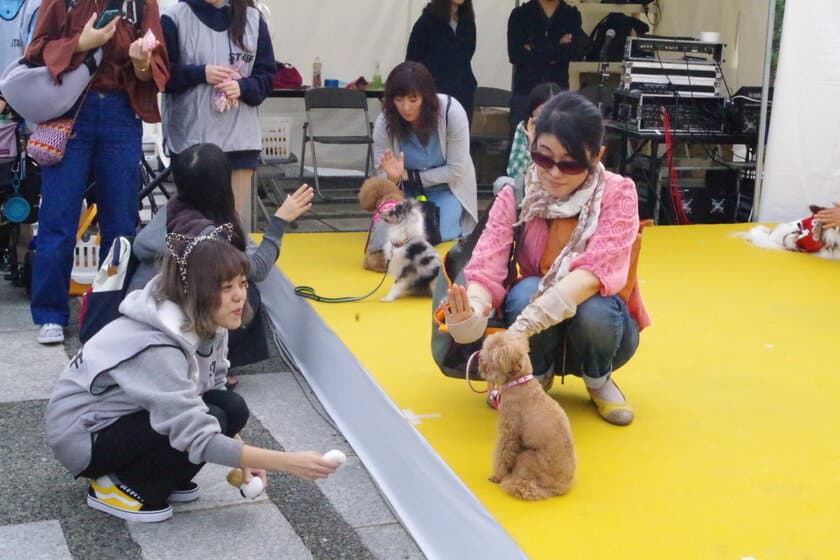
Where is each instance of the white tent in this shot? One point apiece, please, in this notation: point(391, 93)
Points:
point(351, 36)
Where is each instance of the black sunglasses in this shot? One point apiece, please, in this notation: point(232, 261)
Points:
point(565, 167)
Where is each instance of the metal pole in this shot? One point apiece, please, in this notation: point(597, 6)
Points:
point(762, 126)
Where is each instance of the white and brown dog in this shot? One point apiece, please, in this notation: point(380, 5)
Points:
point(412, 261)
point(806, 236)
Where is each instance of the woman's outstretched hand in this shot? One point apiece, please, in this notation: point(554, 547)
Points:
point(296, 204)
point(308, 465)
point(456, 307)
point(393, 166)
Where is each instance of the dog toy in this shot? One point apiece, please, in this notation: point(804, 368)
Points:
point(336, 457)
point(249, 490)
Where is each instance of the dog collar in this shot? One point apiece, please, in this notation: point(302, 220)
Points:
point(384, 207)
point(518, 381)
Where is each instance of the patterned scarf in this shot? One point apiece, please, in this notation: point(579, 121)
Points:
point(585, 203)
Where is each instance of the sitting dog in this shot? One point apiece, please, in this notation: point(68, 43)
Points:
point(412, 261)
point(378, 194)
point(806, 235)
point(534, 456)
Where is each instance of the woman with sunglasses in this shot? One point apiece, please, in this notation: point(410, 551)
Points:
point(576, 297)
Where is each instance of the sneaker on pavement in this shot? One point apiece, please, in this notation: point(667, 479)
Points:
point(185, 494)
point(121, 501)
point(51, 333)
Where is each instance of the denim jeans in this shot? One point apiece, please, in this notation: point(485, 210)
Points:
point(106, 146)
point(450, 211)
point(599, 339)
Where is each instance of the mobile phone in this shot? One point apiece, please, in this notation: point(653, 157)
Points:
point(105, 18)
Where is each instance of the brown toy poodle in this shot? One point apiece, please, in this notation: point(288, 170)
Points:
point(534, 456)
point(377, 194)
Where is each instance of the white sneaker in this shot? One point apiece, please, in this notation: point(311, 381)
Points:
point(51, 333)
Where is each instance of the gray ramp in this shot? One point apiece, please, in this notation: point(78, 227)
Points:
point(442, 515)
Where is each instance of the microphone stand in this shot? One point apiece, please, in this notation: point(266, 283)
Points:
point(602, 81)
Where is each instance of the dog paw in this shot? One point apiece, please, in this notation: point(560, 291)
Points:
point(495, 479)
point(387, 299)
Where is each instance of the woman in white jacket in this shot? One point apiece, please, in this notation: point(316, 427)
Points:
point(422, 142)
point(143, 405)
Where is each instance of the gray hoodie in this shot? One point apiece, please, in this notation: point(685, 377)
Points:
point(142, 361)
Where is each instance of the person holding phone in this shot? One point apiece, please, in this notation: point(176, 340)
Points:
point(222, 68)
point(106, 144)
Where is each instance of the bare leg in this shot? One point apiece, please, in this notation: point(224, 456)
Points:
point(241, 181)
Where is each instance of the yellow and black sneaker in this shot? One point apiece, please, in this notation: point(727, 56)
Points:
point(121, 501)
point(184, 494)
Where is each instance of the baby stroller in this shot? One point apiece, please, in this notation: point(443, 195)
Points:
point(20, 189)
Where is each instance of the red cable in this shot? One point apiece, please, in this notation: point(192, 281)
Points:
point(673, 184)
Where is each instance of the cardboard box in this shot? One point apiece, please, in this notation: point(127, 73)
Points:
point(490, 121)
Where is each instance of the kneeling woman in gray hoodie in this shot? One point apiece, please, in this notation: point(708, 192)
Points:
point(142, 406)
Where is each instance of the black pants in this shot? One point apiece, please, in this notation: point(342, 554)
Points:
point(249, 344)
point(143, 460)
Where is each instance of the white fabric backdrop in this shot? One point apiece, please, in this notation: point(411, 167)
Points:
point(803, 152)
point(350, 36)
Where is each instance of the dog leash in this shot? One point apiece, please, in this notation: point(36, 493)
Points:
point(308, 292)
point(469, 364)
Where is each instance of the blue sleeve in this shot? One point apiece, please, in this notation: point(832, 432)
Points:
point(181, 76)
point(256, 87)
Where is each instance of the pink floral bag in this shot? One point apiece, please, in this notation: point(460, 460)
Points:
point(49, 140)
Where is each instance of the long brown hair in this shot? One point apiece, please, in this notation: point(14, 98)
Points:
point(238, 19)
point(411, 78)
point(440, 10)
point(208, 266)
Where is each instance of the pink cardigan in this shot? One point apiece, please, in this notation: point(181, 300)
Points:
point(607, 254)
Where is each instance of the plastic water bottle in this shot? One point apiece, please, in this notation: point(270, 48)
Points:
point(316, 73)
point(377, 77)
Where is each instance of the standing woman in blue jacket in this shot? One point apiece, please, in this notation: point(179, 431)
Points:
point(221, 69)
point(443, 40)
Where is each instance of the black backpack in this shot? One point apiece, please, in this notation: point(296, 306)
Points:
point(623, 25)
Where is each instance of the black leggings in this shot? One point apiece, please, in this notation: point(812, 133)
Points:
point(143, 460)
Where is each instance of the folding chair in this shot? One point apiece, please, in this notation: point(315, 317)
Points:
point(276, 156)
point(488, 97)
point(334, 98)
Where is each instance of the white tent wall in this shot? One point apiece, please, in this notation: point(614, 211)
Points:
point(803, 150)
point(741, 24)
point(350, 36)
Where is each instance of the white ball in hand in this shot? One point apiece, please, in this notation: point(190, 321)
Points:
point(335, 456)
point(252, 489)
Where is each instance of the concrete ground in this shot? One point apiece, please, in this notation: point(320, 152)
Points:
point(42, 510)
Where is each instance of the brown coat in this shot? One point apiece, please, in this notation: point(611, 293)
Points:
point(56, 37)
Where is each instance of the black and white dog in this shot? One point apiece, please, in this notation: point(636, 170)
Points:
point(412, 261)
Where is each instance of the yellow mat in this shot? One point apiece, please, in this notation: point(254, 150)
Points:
point(734, 450)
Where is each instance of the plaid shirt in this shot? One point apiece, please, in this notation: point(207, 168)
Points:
point(520, 152)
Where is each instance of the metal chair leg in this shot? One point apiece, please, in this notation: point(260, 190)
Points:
point(315, 172)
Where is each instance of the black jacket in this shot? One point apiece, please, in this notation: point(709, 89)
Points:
point(447, 55)
point(547, 60)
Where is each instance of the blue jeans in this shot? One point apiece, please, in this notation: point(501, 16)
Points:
point(600, 338)
point(450, 211)
point(106, 146)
